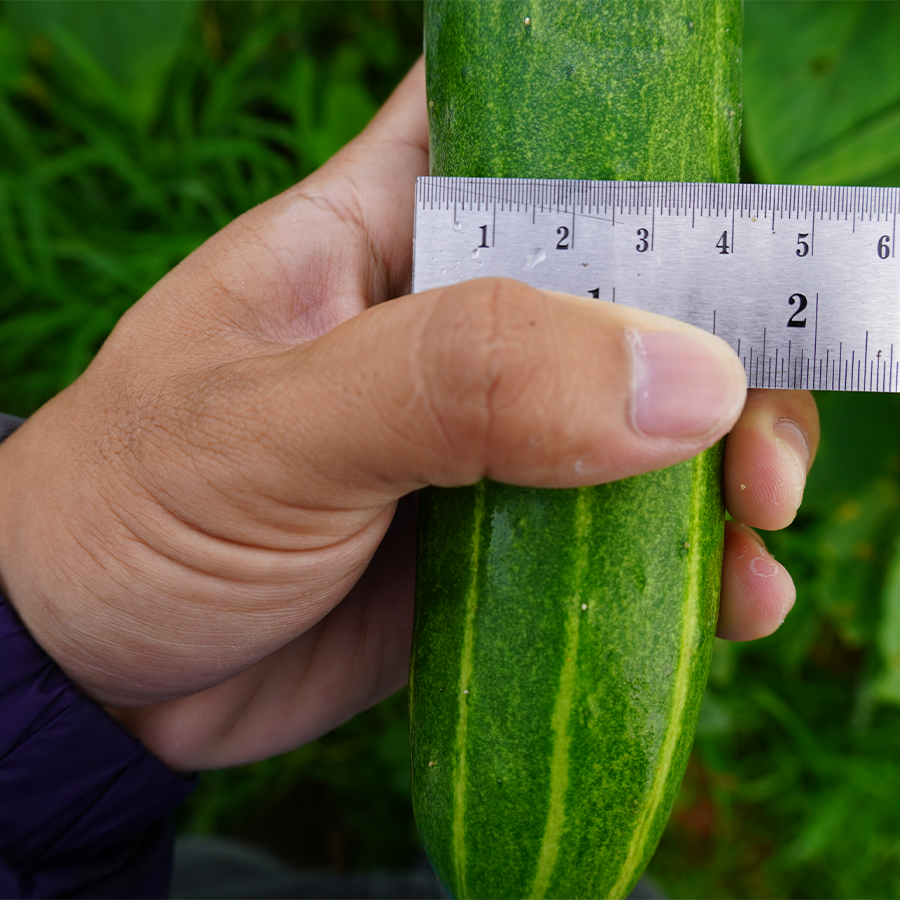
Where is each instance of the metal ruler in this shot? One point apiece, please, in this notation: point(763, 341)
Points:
point(803, 282)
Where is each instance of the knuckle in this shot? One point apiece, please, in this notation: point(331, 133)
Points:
point(484, 356)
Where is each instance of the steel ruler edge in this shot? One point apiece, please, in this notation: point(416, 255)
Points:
point(803, 282)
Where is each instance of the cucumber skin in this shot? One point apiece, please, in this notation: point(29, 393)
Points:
point(517, 795)
point(535, 721)
point(625, 90)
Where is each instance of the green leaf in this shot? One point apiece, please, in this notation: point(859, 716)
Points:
point(822, 91)
point(12, 58)
point(851, 540)
point(133, 44)
point(860, 443)
point(330, 104)
point(886, 686)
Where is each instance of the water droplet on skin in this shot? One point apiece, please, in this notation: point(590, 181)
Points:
point(476, 253)
point(457, 226)
point(535, 258)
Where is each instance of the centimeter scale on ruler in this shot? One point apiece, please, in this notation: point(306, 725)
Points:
point(803, 282)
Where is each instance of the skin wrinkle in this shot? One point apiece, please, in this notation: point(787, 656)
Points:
point(273, 273)
point(499, 303)
point(414, 399)
point(186, 451)
point(193, 527)
point(549, 336)
point(309, 313)
point(347, 213)
point(306, 315)
point(379, 289)
point(396, 147)
point(260, 328)
point(492, 370)
point(235, 332)
point(316, 648)
point(192, 437)
point(302, 307)
point(179, 569)
point(377, 266)
point(789, 456)
point(437, 419)
point(549, 333)
point(367, 397)
point(187, 548)
point(450, 392)
point(80, 619)
point(303, 664)
point(275, 439)
point(216, 662)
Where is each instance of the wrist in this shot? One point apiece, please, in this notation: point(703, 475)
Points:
point(8, 424)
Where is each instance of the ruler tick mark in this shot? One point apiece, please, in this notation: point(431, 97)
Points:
point(678, 276)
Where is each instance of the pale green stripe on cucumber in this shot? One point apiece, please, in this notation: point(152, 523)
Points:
point(465, 675)
point(562, 708)
point(682, 696)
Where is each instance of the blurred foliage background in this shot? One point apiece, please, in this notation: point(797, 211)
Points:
point(130, 132)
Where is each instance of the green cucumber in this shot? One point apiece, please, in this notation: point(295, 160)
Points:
point(562, 637)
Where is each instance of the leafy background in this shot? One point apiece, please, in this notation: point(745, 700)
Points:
point(129, 132)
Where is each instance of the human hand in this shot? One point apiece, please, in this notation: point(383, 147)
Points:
point(204, 529)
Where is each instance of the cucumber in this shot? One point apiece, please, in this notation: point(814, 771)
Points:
point(562, 637)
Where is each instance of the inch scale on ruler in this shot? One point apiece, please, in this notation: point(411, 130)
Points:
point(803, 282)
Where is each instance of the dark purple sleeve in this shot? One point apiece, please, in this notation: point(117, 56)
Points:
point(85, 809)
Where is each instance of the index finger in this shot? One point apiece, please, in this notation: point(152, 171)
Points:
point(768, 455)
point(315, 255)
point(371, 183)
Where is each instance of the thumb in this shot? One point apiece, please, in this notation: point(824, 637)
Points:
point(491, 378)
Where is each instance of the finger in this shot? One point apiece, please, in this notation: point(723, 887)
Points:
point(320, 252)
point(370, 184)
point(486, 378)
point(757, 591)
point(494, 378)
point(369, 189)
point(768, 455)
